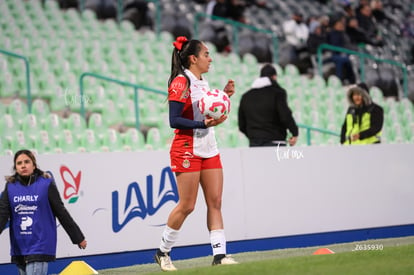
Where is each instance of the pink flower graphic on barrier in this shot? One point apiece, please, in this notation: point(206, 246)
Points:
point(71, 184)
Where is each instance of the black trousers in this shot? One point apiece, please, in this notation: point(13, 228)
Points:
point(261, 142)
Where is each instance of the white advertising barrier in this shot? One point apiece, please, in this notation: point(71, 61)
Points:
point(122, 200)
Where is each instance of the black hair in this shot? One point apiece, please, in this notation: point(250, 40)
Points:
point(364, 86)
point(180, 59)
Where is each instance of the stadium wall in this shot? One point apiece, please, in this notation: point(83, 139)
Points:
point(273, 198)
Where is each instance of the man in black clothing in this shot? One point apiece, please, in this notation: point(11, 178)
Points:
point(264, 115)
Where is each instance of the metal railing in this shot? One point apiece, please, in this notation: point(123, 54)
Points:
point(119, 82)
point(27, 66)
point(310, 128)
point(236, 25)
point(362, 56)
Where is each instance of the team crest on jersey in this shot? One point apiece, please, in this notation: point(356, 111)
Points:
point(186, 163)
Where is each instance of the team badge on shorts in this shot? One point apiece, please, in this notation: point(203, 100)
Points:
point(186, 163)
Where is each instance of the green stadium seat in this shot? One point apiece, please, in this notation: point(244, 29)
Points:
point(44, 144)
point(334, 82)
point(150, 113)
point(3, 109)
point(53, 125)
point(111, 141)
point(96, 122)
point(40, 108)
point(319, 83)
point(17, 108)
point(30, 125)
point(76, 124)
point(9, 87)
point(20, 141)
point(291, 71)
point(60, 100)
point(133, 140)
point(127, 27)
point(8, 126)
point(127, 109)
point(68, 142)
point(154, 140)
point(111, 114)
point(89, 142)
point(249, 59)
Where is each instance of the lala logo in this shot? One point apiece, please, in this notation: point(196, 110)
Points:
point(71, 184)
point(139, 204)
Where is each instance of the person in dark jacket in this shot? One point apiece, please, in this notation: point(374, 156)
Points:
point(316, 37)
point(338, 37)
point(264, 115)
point(364, 118)
point(368, 23)
point(31, 203)
point(357, 35)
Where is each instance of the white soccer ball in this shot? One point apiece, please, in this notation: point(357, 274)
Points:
point(215, 104)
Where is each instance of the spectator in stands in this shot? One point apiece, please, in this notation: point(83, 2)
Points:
point(338, 37)
point(137, 12)
point(368, 23)
point(33, 227)
point(67, 4)
point(217, 8)
point(104, 9)
point(361, 3)
point(194, 154)
point(357, 35)
point(215, 30)
point(264, 115)
point(316, 37)
point(349, 11)
point(364, 118)
point(378, 12)
point(296, 33)
point(235, 9)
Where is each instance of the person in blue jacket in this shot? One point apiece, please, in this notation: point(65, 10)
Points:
point(31, 203)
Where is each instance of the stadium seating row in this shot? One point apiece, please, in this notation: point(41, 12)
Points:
point(72, 44)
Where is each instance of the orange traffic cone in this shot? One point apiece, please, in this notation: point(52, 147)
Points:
point(323, 251)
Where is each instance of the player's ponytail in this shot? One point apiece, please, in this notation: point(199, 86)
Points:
point(180, 61)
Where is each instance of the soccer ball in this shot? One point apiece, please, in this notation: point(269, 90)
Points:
point(215, 104)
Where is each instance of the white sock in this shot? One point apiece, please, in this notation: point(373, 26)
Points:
point(169, 237)
point(218, 242)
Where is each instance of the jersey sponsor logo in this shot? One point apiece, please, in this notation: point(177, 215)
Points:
point(25, 223)
point(179, 85)
point(27, 198)
point(25, 209)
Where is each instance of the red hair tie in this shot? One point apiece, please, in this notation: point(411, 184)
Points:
point(178, 44)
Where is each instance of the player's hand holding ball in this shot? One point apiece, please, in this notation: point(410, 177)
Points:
point(209, 121)
point(229, 88)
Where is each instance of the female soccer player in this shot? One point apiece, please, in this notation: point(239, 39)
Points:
point(195, 158)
